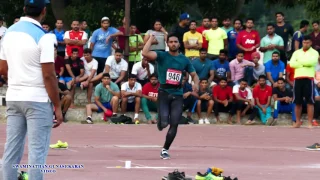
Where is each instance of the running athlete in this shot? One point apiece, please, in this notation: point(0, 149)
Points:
point(171, 67)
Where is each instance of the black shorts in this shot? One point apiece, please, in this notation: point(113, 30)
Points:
point(303, 91)
point(204, 105)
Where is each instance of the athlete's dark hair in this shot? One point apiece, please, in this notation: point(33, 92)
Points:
point(118, 51)
point(193, 21)
point(153, 75)
point(271, 24)
point(87, 51)
point(32, 11)
point(203, 79)
point(250, 19)
point(234, 21)
point(281, 13)
point(262, 77)
point(243, 80)
point(106, 75)
point(203, 50)
point(171, 35)
point(74, 50)
point(223, 79)
point(304, 23)
point(276, 52)
point(281, 79)
point(223, 51)
point(307, 37)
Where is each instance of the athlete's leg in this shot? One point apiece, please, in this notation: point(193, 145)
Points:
point(175, 116)
point(163, 109)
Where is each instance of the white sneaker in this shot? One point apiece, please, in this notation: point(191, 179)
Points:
point(206, 121)
point(201, 121)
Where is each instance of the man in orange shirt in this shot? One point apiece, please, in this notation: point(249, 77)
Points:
point(289, 76)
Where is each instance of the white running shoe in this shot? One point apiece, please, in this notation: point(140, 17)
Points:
point(201, 121)
point(206, 121)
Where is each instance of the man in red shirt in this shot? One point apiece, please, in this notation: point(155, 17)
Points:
point(149, 98)
point(58, 63)
point(205, 26)
point(248, 40)
point(222, 95)
point(262, 94)
point(122, 39)
point(75, 39)
point(289, 76)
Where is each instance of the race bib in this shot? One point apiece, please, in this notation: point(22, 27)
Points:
point(173, 77)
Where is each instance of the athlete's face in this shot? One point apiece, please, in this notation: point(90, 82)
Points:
point(306, 44)
point(226, 22)
point(315, 26)
point(154, 81)
point(132, 81)
point(157, 26)
point(222, 56)
point(237, 24)
point(280, 18)
point(243, 85)
point(118, 56)
point(223, 83)
point(214, 23)
point(46, 27)
point(256, 59)
point(173, 44)
point(59, 24)
point(105, 24)
point(74, 55)
point(204, 84)
point(75, 25)
point(87, 56)
point(193, 26)
point(203, 55)
point(270, 30)
point(106, 80)
point(240, 57)
point(206, 23)
point(262, 82)
point(281, 84)
point(249, 24)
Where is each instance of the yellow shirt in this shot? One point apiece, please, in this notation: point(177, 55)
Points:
point(216, 40)
point(304, 63)
point(192, 38)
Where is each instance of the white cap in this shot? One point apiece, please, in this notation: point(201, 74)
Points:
point(105, 19)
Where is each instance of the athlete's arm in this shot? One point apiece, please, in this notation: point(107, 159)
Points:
point(195, 79)
point(3, 68)
point(150, 55)
point(275, 97)
point(120, 78)
point(97, 100)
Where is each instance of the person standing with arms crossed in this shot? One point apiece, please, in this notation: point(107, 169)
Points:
point(171, 67)
point(32, 89)
point(304, 61)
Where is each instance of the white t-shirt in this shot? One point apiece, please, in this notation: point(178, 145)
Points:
point(2, 30)
point(136, 87)
point(24, 58)
point(246, 94)
point(141, 73)
point(116, 68)
point(89, 66)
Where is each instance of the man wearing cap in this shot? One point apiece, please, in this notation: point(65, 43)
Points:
point(75, 39)
point(2, 28)
point(32, 90)
point(181, 28)
point(101, 42)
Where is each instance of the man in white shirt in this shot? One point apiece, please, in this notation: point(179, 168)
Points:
point(131, 92)
point(90, 68)
point(244, 102)
point(32, 89)
point(2, 28)
point(116, 66)
point(142, 70)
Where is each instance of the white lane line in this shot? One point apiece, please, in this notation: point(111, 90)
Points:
point(155, 168)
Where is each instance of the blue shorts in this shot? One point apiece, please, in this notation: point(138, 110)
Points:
point(131, 106)
point(106, 105)
point(65, 79)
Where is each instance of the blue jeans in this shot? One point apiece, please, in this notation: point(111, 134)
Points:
point(287, 108)
point(35, 120)
point(264, 117)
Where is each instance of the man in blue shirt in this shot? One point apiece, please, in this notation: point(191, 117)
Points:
point(232, 37)
point(221, 67)
point(101, 42)
point(298, 36)
point(274, 69)
point(203, 66)
point(59, 32)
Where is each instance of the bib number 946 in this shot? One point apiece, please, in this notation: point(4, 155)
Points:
point(173, 77)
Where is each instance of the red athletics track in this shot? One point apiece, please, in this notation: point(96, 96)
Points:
point(248, 152)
